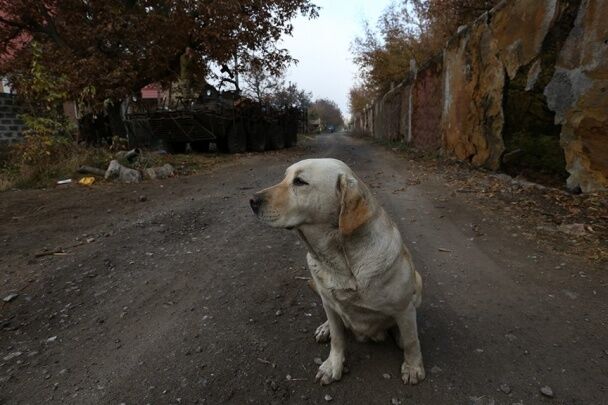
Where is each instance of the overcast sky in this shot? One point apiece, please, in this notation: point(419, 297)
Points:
point(322, 47)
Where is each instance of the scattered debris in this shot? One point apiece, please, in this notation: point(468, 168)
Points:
point(482, 400)
point(547, 391)
point(576, 229)
point(87, 181)
point(289, 377)
point(51, 339)
point(541, 209)
point(117, 171)
point(91, 170)
point(63, 182)
point(505, 388)
point(395, 401)
point(122, 173)
point(10, 297)
point(444, 250)
point(328, 397)
point(56, 252)
point(159, 173)
point(128, 155)
point(11, 356)
point(436, 370)
point(386, 376)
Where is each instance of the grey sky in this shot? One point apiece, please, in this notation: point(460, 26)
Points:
point(322, 47)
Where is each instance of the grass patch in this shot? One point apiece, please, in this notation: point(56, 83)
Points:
point(184, 164)
point(39, 164)
point(22, 168)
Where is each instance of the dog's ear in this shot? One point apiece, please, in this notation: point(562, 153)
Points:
point(354, 206)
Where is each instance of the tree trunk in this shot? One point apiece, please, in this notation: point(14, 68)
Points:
point(117, 126)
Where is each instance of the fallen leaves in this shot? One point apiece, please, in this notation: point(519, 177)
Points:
point(575, 224)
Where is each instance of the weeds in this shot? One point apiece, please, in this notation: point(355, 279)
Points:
point(40, 161)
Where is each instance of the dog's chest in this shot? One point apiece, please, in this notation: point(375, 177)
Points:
point(356, 311)
point(339, 289)
point(332, 275)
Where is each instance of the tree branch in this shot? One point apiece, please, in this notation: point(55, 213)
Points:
point(14, 24)
point(51, 28)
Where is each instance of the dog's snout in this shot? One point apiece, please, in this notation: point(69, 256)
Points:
point(256, 203)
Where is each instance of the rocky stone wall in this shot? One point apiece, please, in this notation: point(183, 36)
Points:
point(473, 77)
point(523, 86)
point(10, 124)
point(578, 93)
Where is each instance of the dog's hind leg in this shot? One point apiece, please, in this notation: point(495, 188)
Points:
point(322, 334)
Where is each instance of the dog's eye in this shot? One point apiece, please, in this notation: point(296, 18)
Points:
point(299, 182)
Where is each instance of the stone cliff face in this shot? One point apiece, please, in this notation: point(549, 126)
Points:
point(474, 77)
point(529, 78)
point(578, 93)
point(478, 62)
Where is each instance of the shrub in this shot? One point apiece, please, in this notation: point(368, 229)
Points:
point(39, 161)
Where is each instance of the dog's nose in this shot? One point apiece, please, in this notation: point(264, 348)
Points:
point(255, 203)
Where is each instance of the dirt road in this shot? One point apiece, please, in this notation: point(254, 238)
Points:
point(172, 292)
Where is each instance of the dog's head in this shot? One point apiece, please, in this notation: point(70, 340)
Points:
point(315, 192)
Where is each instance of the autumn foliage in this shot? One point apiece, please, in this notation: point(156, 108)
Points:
point(327, 111)
point(109, 49)
point(412, 30)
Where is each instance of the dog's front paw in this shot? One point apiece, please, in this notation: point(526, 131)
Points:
point(322, 333)
point(330, 370)
point(412, 374)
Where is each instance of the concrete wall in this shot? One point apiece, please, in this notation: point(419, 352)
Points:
point(550, 55)
point(10, 125)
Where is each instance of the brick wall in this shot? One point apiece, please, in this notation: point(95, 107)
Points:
point(426, 107)
point(387, 122)
point(10, 125)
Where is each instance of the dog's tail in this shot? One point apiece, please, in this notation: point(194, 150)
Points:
point(418, 290)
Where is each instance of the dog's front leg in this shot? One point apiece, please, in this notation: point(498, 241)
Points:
point(412, 370)
point(331, 369)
